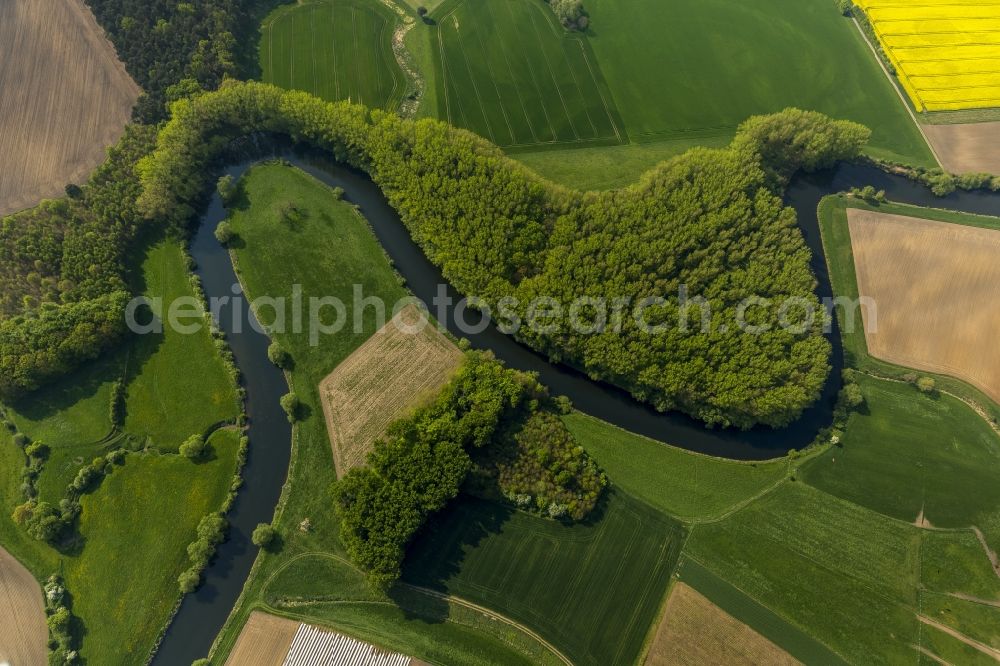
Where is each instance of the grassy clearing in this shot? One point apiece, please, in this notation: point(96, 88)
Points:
point(843, 574)
point(329, 250)
point(177, 384)
point(909, 453)
point(696, 631)
point(610, 167)
point(394, 372)
point(334, 49)
point(124, 581)
point(508, 71)
point(685, 485)
point(697, 68)
point(840, 260)
point(593, 590)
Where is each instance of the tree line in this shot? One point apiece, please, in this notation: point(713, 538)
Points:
point(711, 221)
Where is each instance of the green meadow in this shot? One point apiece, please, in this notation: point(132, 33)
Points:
point(507, 70)
point(334, 49)
point(688, 486)
point(697, 68)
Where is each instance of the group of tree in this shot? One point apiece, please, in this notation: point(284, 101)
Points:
point(571, 14)
point(424, 460)
point(710, 221)
point(211, 532)
point(59, 619)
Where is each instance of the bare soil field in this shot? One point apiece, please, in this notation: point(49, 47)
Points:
point(936, 287)
point(65, 98)
point(23, 633)
point(264, 641)
point(393, 372)
point(695, 631)
point(967, 148)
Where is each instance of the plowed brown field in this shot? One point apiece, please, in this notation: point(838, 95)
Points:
point(395, 370)
point(23, 634)
point(64, 98)
point(694, 631)
point(936, 287)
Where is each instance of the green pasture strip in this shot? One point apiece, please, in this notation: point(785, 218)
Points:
point(177, 384)
point(508, 71)
point(592, 589)
point(843, 574)
point(978, 621)
point(334, 49)
point(951, 649)
point(761, 619)
point(697, 65)
point(688, 486)
point(836, 236)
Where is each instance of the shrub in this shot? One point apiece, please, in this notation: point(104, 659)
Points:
point(570, 13)
point(226, 187)
point(36, 450)
point(20, 439)
point(846, 7)
point(116, 409)
point(926, 384)
point(278, 356)
point(263, 535)
point(292, 406)
point(224, 232)
point(194, 447)
point(852, 396)
point(189, 580)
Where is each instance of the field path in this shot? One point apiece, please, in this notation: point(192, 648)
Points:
point(23, 632)
point(985, 649)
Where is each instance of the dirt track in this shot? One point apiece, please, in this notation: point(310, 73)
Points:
point(65, 98)
point(23, 633)
point(937, 291)
point(967, 148)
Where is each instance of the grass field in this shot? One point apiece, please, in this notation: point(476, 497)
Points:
point(124, 582)
point(685, 485)
point(396, 370)
point(327, 252)
point(978, 621)
point(508, 71)
point(65, 99)
point(935, 286)
point(177, 384)
point(954, 563)
point(334, 49)
point(908, 453)
point(23, 632)
point(836, 235)
point(593, 590)
point(697, 68)
point(841, 573)
point(946, 53)
point(695, 631)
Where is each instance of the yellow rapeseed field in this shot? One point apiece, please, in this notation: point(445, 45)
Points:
point(946, 52)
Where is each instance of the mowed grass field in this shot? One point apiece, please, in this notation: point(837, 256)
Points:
point(334, 49)
point(697, 68)
point(407, 362)
point(909, 453)
point(509, 72)
point(946, 52)
point(593, 590)
point(696, 631)
point(936, 289)
point(65, 99)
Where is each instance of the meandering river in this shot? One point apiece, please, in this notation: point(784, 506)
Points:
point(202, 614)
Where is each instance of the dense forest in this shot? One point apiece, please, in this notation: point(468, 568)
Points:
point(711, 221)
